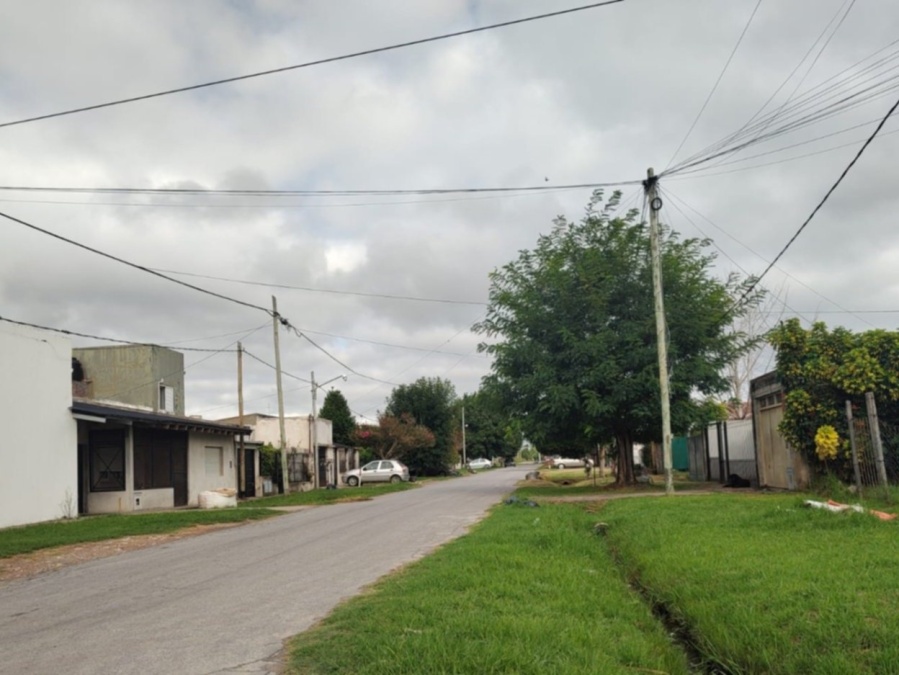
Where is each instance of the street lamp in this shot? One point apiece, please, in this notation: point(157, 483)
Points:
point(314, 435)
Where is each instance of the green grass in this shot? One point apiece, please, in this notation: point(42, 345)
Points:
point(766, 585)
point(528, 590)
point(314, 497)
point(28, 538)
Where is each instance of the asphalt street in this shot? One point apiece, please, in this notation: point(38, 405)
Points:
point(225, 601)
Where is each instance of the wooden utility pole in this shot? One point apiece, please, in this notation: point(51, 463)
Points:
point(655, 204)
point(874, 425)
point(463, 437)
point(313, 436)
point(241, 463)
point(853, 445)
point(276, 318)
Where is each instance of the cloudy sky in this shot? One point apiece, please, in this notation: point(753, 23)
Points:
point(591, 97)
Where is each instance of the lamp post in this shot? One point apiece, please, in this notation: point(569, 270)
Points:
point(313, 434)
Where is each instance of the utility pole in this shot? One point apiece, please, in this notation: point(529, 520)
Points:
point(463, 436)
point(240, 453)
point(276, 318)
point(313, 436)
point(651, 185)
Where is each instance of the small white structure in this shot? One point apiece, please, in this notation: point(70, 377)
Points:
point(38, 478)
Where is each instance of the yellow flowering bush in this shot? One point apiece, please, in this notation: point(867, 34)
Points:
point(827, 442)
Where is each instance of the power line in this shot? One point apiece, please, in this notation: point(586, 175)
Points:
point(323, 290)
point(760, 257)
point(283, 372)
point(309, 64)
point(134, 265)
point(383, 344)
point(395, 192)
point(821, 203)
point(324, 351)
point(74, 333)
point(717, 82)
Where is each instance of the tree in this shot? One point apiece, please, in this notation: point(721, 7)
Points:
point(336, 409)
point(489, 430)
point(821, 369)
point(394, 438)
point(572, 334)
point(429, 401)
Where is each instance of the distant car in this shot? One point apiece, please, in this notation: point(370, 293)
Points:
point(566, 463)
point(509, 461)
point(480, 463)
point(378, 471)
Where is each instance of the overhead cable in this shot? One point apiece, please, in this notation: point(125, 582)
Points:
point(817, 208)
point(309, 64)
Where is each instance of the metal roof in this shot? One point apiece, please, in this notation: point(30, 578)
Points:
point(164, 420)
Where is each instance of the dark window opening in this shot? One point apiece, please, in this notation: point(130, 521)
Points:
point(153, 457)
point(107, 460)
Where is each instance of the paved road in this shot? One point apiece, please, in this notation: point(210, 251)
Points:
point(224, 602)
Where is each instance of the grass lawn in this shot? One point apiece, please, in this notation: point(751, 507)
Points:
point(14, 540)
point(312, 497)
point(528, 590)
point(564, 482)
point(764, 584)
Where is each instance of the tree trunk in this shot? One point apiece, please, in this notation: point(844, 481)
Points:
point(625, 445)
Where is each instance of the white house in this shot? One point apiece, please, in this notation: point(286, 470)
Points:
point(38, 478)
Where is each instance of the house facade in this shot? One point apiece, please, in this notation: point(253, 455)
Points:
point(307, 470)
point(38, 479)
point(147, 376)
point(131, 459)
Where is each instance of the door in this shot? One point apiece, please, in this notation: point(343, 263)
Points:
point(322, 478)
point(249, 470)
point(179, 472)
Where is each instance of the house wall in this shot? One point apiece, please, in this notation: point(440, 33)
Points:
point(38, 456)
point(201, 475)
point(131, 374)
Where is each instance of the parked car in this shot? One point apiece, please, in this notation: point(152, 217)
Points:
point(480, 463)
point(509, 461)
point(378, 471)
point(566, 463)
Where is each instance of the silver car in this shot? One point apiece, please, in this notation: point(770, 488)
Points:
point(378, 471)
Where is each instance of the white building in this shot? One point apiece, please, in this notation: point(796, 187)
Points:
point(38, 478)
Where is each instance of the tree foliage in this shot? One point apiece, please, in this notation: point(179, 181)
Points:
point(394, 438)
point(336, 409)
point(430, 402)
point(821, 369)
point(489, 431)
point(572, 332)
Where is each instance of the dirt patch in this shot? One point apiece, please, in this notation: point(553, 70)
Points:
point(27, 565)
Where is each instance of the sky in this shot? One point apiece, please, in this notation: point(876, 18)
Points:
point(596, 96)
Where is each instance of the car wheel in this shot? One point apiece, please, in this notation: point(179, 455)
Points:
point(560, 466)
point(395, 479)
point(352, 481)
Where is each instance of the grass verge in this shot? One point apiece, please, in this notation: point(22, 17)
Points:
point(313, 497)
point(528, 590)
point(28, 538)
point(765, 585)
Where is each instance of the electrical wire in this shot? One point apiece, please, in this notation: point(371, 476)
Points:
point(323, 290)
point(283, 372)
point(717, 82)
point(324, 351)
point(820, 204)
point(74, 333)
point(309, 64)
point(135, 265)
point(675, 199)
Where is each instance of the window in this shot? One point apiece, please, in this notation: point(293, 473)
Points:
point(166, 398)
point(107, 460)
point(371, 466)
point(215, 461)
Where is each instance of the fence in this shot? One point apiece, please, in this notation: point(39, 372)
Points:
point(724, 449)
point(875, 446)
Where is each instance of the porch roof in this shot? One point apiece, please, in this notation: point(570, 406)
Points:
point(104, 411)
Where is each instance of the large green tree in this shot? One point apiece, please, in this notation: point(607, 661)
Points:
point(336, 409)
point(429, 401)
point(571, 329)
point(489, 430)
